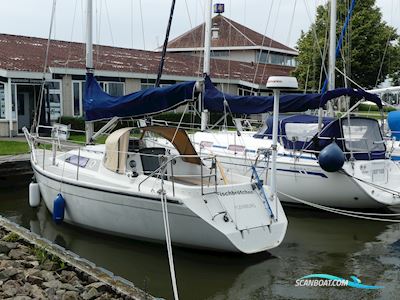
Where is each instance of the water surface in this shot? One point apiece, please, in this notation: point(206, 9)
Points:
point(316, 242)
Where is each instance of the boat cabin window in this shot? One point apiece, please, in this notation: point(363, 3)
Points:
point(150, 158)
point(236, 148)
point(362, 135)
point(300, 132)
point(206, 144)
point(135, 145)
point(77, 160)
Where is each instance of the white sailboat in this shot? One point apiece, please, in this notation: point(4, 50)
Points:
point(126, 186)
point(367, 178)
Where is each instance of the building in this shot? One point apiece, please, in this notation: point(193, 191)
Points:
point(120, 71)
point(235, 42)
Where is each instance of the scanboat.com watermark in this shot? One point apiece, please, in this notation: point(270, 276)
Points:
point(326, 280)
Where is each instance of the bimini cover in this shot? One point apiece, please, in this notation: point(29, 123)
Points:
point(214, 101)
point(179, 139)
point(355, 93)
point(100, 105)
point(116, 150)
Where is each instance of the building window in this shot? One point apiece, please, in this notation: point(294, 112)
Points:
point(115, 89)
point(150, 83)
point(276, 59)
point(13, 101)
point(223, 53)
point(246, 92)
point(78, 93)
point(146, 85)
point(76, 99)
point(55, 99)
point(2, 102)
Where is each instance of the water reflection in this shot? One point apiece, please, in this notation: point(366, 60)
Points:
point(316, 242)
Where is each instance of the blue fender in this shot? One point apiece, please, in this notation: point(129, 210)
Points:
point(58, 209)
point(331, 158)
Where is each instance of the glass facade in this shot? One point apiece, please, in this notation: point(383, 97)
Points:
point(276, 59)
point(54, 99)
point(115, 88)
point(76, 98)
point(14, 101)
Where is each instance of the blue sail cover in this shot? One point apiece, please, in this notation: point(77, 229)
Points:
point(214, 101)
point(100, 105)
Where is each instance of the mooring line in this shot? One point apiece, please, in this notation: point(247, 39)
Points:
point(349, 213)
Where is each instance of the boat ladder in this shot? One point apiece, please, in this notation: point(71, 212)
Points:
point(208, 177)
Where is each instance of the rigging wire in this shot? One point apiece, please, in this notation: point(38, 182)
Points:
point(143, 35)
point(38, 112)
point(109, 23)
point(314, 31)
point(141, 20)
point(262, 43)
point(99, 8)
point(72, 35)
point(132, 23)
point(291, 23)
point(384, 52)
point(325, 53)
point(273, 34)
point(193, 40)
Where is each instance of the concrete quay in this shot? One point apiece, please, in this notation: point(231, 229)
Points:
point(32, 267)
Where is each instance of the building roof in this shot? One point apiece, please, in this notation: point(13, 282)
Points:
point(27, 54)
point(231, 34)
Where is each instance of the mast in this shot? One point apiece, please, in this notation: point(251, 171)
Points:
point(207, 38)
point(206, 59)
point(89, 59)
point(330, 80)
point(332, 52)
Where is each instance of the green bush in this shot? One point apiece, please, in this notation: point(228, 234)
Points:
point(77, 123)
point(373, 107)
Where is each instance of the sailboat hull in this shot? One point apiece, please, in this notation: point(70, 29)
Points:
point(139, 216)
point(300, 177)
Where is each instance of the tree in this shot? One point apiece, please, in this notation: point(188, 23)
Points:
point(368, 42)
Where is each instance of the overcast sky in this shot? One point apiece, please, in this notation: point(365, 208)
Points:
point(141, 24)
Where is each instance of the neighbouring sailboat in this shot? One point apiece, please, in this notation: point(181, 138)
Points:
point(366, 179)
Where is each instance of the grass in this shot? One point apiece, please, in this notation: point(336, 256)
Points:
point(11, 237)
point(42, 256)
point(13, 147)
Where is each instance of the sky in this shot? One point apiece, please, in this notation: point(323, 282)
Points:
point(141, 24)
